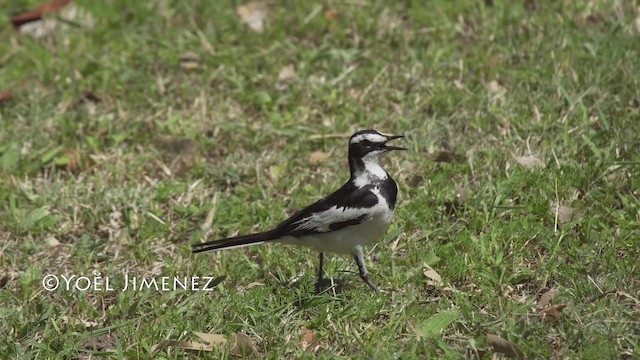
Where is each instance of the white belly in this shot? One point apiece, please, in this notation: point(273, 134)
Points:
point(345, 240)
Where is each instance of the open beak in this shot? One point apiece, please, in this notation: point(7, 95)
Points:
point(389, 138)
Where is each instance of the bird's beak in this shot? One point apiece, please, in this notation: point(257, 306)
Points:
point(389, 138)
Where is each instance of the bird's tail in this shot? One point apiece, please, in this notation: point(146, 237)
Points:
point(233, 242)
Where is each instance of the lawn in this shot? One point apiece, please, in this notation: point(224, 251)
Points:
point(135, 129)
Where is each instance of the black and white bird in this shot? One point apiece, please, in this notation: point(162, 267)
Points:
point(357, 214)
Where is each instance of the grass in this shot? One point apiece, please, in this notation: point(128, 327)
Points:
point(128, 135)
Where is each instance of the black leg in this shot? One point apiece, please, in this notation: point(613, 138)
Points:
point(358, 255)
point(320, 273)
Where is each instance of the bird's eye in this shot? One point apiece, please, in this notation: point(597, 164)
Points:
point(366, 142)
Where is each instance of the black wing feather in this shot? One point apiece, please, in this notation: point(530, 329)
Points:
point(348, 196)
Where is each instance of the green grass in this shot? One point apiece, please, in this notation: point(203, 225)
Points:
point(113, 155)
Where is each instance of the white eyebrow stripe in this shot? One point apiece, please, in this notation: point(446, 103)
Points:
point(376, 138)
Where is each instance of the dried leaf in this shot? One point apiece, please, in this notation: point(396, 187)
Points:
point(307, 336)
point(253, 14)
point(243, 345)
point(210, 341)
point(565, 214)
point(89, 324)
point(187, 345)
point(318, 157)
point(462, 195)
point(5, 96)
point(496, 91)
point(156, 269)
point(71, 160)
point(211, 214)
point(545, 299)
point(529, 162)
point(624, 294)
point(36, 14)
point(504, 346)
point(52, 241)
point(308, 343)
point(190, 61)
point(552, 312)
point(331, 14)
point(287, 73)
point(432, 274)
point(445, 156)
point(35, 24)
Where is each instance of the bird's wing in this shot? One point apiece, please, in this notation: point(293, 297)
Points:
point(345, 207)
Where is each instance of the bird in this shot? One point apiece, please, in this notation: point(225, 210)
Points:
point(357, 214)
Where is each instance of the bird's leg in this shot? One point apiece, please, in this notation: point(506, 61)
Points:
point(358, 255)
point(320, 273)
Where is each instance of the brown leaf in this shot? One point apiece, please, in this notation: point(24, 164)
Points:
point(331, 14)
point(529, 162)
point(101, 133)
point(552, 312)
point(545, 299)
point(307, 342)
point(243, 345)
point(36, 14)
point(5, 96)
point(308, 336)
point(253, 14)
point(445, 156)
point(318, 157)
point(505, 347)
point(72, 160)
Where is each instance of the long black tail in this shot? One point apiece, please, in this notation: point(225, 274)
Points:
point(233, 242)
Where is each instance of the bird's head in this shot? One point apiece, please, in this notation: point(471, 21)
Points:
point(368, 145)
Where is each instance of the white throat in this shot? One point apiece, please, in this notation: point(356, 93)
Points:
point(372, 171)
